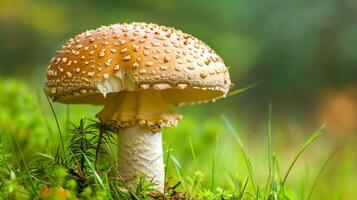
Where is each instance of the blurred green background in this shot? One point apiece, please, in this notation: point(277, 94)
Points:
point(304, 52)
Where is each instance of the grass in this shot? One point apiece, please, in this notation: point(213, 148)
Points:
point(303, 148)
point(246, 158)
point(204, 160)
point(57, 123)
point(320, 173)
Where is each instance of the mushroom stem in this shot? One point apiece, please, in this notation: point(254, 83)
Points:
point(140, 152)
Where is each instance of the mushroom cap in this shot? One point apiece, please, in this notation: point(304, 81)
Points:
point(132, 57)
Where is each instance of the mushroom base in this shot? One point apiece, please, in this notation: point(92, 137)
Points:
point(140, 153)
point(144, 107)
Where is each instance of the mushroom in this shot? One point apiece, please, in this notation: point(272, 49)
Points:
point(137, 71)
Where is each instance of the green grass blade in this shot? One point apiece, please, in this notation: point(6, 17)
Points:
point(233, 131)
point(96, 175)
point(213, 164)
point(270, 141)
point(176, 162)
point(27, 170)
point(45, 156)
point(270, 153)
point(244, 188)
point(235, 183)
point(39, 101)
point(3, 153)
point(241, 90)
point(57, 122)
point(314, 136)
point(100, 181)
point(245, 155)
point(178, 166)
point(320, 172)
point(167, 166)
point(68, 116)
point(193, 153)
point(276, 179)
point(167, 160)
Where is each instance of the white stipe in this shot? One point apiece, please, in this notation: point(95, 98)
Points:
point(140, 152)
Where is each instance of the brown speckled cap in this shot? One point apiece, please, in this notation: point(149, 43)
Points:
point(136, 56)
